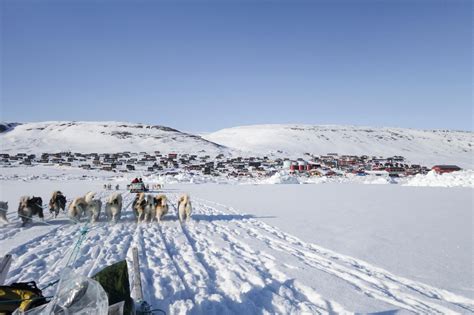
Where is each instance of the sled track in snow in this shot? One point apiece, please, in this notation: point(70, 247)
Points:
point(240, 284)
point(220, 262)
point(42, 258)
point(368, 279)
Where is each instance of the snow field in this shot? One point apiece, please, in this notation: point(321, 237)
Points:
point(223, 261)
point(180, 270)
point(370, 280)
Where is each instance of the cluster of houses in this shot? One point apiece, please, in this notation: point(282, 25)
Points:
point(156, 162)
point(331, 164)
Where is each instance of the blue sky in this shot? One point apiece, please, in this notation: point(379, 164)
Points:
point(206, 65)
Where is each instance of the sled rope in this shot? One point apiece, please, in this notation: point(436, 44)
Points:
point(35, 220)
point(84, 230)
point(11, 216)
point(50, 284)
point(75, 251)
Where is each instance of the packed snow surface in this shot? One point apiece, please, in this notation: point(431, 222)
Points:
point(427, 147)
point(286, 249)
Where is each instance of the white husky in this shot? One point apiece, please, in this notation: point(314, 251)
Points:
point(93, 207)
point(3, 211)
point(184, 208)
point(77, 208)
point(113, 207)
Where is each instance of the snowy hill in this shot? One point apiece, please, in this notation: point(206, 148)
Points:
point(419, 146)
point(101, 137)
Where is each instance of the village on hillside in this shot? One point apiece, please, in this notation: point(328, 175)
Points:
point(331, 164)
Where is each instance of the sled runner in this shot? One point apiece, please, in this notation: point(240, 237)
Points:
point(4, 267)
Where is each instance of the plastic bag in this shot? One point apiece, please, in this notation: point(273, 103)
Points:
point(76, 294)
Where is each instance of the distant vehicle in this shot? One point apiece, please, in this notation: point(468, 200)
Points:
point(137, 187)
point(441, 169)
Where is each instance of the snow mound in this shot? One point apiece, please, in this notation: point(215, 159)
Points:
point(374, 180)
point(350, 178)
point(455, 179)
point(281, 178)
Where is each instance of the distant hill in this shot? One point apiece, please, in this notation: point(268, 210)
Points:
point(419, 146)
point(101, 137)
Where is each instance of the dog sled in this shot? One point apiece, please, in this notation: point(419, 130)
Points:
point(137, 186)
point(107, 292)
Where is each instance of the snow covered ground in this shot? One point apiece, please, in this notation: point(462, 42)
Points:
point(422, 233)
point(286, 249)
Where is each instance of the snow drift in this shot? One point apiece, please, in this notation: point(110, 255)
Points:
point(454, 179)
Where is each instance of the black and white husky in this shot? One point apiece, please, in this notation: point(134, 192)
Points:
point(3, 211)
point(161, 207)
point(28, 207)
point(139, 204)
point(150, 210)
point(56, 203)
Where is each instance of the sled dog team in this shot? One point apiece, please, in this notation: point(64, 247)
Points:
point(149, 207)
point(89, 206)
point(146, 208)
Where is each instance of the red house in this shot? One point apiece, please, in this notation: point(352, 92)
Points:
point(441, 169)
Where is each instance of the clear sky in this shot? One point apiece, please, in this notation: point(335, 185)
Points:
point(206, 65)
